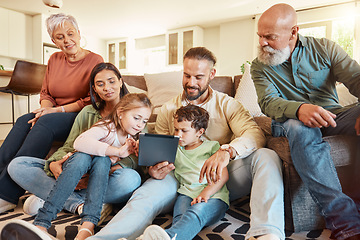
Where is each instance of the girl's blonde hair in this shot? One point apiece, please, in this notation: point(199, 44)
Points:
point(128, 102)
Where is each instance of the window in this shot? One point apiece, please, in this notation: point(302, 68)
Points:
point(340, 31)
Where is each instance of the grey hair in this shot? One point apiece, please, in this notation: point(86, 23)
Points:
point(59, 19)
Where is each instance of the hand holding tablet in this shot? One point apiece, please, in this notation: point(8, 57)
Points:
point(155, 148)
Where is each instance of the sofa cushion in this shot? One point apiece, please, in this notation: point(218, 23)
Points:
point(345, 97)
point(343, 148)
point(265, 124)
point(163, 86)
point(246, 93)
point(133, 89)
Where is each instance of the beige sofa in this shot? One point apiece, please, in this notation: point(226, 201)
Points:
point(301, 212)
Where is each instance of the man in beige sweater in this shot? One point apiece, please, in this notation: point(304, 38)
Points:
point(252, 169)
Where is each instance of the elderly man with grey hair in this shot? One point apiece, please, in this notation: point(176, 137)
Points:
point(295, 79)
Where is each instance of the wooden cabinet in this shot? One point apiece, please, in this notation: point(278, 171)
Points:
point(179, 41)
point(117, 53)
point(16, 34)
point(4, 39)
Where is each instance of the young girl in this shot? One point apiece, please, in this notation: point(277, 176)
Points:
point(112, 137)
point(197, 204)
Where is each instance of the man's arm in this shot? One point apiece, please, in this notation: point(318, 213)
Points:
point(315, 116)
point(343, 67)
point(210, 190)
point(270, 101)
point(248, 138)
point(280, 109)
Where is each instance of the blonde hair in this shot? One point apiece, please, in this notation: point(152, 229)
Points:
point(128, 102)
point(59, 19)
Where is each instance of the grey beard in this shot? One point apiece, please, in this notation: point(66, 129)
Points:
point(269, 56)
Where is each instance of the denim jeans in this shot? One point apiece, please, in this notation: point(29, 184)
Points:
point(189, 220)
point(148, 201)
point(29, 173)
point(34, 142)
point(259, 173)
point(311, 158)
point(73, 169)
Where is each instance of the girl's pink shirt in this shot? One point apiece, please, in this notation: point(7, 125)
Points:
point(96, 140)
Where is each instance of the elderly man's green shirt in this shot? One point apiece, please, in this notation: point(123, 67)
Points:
point(309, 76)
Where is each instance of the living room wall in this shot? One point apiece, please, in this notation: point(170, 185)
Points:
point(236, 45)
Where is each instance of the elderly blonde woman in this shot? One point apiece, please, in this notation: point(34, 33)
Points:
point(64, 93)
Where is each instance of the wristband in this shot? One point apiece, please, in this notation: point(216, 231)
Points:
point(226, 147)
point(62, 109)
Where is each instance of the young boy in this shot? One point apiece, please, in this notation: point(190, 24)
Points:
point(198, 204)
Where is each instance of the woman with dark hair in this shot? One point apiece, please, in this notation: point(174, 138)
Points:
point(28, 172)
point(97, 102)
point(63, 94)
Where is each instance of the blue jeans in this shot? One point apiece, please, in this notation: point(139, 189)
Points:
point(148, 201)
point(73, 169)
point(29, 173)
point(189, 220)
point(34, 142)
point(311, 158)
point(259, 173)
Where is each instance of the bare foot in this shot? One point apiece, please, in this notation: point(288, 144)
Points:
point(86, 230)
point(41, 228)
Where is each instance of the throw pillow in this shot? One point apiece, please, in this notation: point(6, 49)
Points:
point(345, 97)
point(246, 93)
point(133, 89)
point(163, 86)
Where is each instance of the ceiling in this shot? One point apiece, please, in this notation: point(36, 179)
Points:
point(109, 19)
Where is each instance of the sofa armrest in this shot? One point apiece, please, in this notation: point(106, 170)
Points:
point(265, 124)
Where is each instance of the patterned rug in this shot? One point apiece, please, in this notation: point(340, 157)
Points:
point(233, 226)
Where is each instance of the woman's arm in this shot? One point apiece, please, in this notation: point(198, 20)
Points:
point(211, 189)
point(47, 107)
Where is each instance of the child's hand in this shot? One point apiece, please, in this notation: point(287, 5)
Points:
point(160, 170)
point(201, 198)
point(136, 149)
point(114, 168)
point(128, 148)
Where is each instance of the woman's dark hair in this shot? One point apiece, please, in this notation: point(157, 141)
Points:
point(96, 101)
point(198, 116)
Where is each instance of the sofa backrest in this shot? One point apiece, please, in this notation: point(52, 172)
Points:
point(223, 84)
point(220, 83)
point(135, 81)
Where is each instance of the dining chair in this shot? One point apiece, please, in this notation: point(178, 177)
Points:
point(26, 80)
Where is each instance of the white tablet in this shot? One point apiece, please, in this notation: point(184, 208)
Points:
point(155, 148)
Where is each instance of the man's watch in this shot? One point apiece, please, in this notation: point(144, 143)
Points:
point(227, 147)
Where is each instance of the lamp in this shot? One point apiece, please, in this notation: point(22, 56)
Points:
point(53, 3)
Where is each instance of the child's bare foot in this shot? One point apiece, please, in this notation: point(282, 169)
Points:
point(86, 230)
point(41, 228)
